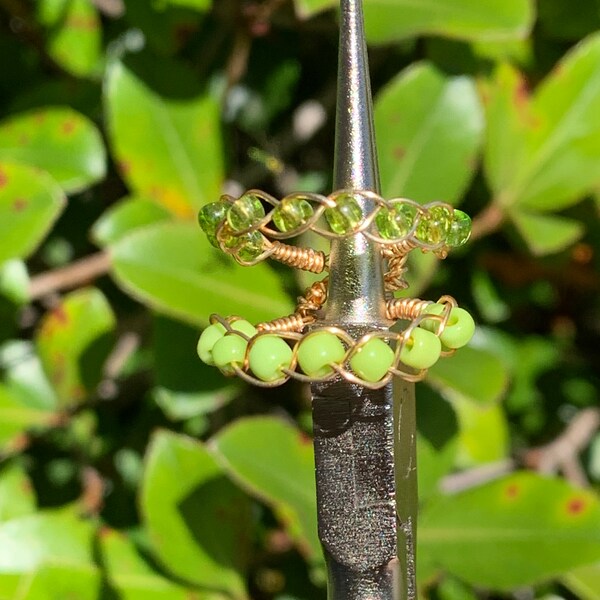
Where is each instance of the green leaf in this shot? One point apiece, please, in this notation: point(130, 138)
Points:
point(60, 141)
point(73, 342)
point(201, 5)
point(199, 523)
point(546, 234)
point(74, 37)
point(274, 461)
point(513, 532)
point(391, 20)
point(14, 282)
point(457, 376)
point(132, 577)
point(166, 138)
point(58, 582)
point(307, 8)
point(584, 582)
point(429, 129)
point(30, 542)
point(172, 267)
point(17, 496)
point(124, 217)
point(544, 153)
point(30, 201)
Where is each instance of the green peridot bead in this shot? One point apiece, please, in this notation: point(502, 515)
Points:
point(316, 352)
point(421, 350)
point(268, 355)
point(459, 328)
point(210, 336)
point(228, 350)
point(252, 245)
point(292, 213)
point(460, 229)
point(434, 226)
point(346, 216)
point(244, 212)
point(396, 222)
point(372, 361)
point(210, 217)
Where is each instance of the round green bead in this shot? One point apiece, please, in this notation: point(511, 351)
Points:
point(396, 222)
point(245, 212)
point(244, 327)
point(251, 245)
point(460, 229)
point(228, 350)
point(268, 355)
point(346, 216)
point(372, 360)
point(459, 329)
point(210, 336)
point(421, 350)
point(292, 213)
point(316, 352)
point(434, 226)
point(210, 218)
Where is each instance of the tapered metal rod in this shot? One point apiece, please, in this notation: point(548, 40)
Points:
point(364, 457)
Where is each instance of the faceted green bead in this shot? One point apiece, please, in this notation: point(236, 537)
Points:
point(268, 355)
point(346, 216)
point(434, 226)
point(229, 350)
point(396, 222)
point(421, 350)
point(210, 336)
point(459, 329)
point(316, 352)
point(292, 213)
point(372, 360)
point(252, 245)
point(210, 217)
point(460, 229)
point(244, 212)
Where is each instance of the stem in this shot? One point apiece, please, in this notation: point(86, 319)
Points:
point(487, 221)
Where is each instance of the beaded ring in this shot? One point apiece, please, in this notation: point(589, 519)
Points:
point(271, 353)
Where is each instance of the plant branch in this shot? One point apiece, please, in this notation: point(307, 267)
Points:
point(487, 221)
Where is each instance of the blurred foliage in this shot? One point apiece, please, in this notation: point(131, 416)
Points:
point(128, 470)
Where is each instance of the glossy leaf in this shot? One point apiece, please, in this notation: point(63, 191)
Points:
point(584, 582)
point(429, 129)
point(124, 217)
point(513, 532)
point(17, 496)
point(30, 201)
point(58, 140)
point(166, 139)
point(472, 373)
point(198, 522)
point(554, 136)
point(547, 234)
point(74, 37)
point(132, 577)
point(283, 478)
point(173, 268)
point(58, 582)
point(73, 342)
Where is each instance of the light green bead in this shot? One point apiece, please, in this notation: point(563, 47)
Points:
point(421, 350)
point(346, 216)
point(434, 226)
point(268, 355)
point(210, 336)
point(251, 245)
point(228, 350)
point(244, 326)
point(460, 229)
point(292, 213)
point(244, 212)
point(372, 360)
point(210, 218)
point(316, 352)
point(396, 222)
point(459, 329)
